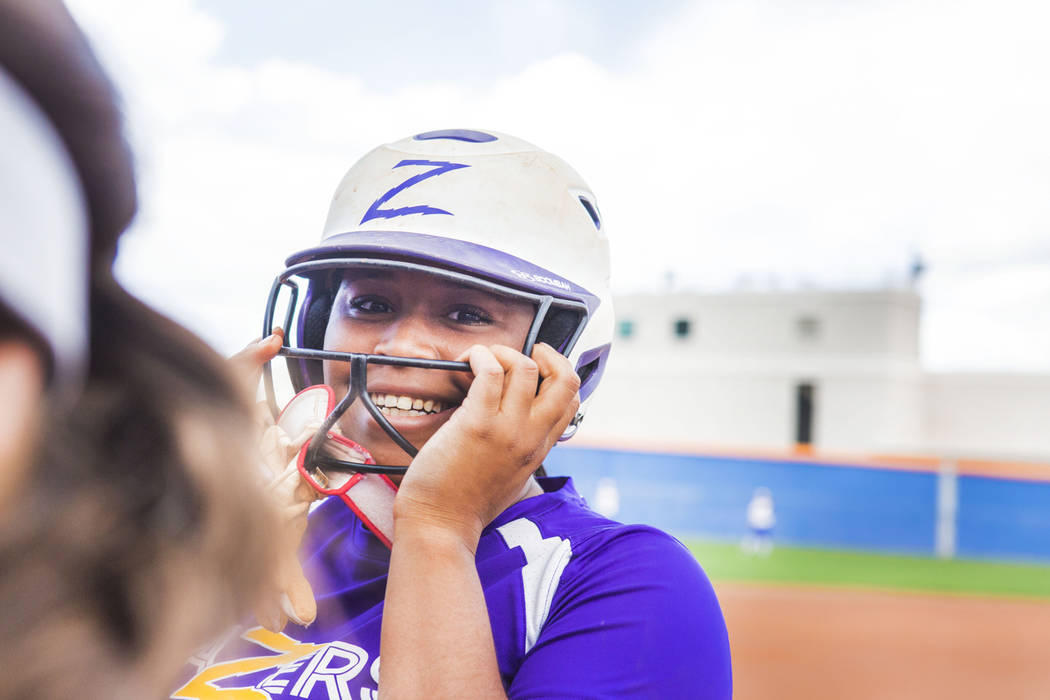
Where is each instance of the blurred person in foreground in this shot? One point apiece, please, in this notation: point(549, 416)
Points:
point(447, 331)
point(132, 528)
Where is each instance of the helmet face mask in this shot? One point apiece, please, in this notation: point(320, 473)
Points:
point(307, 293)
point(478, 210)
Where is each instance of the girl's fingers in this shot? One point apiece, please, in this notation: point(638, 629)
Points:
point(262, 415)
point(307, 433)
point(519, 385)
point(260, 350)
point(485, 391)
point(560, 386)
point(255, 354)
point(268, 614)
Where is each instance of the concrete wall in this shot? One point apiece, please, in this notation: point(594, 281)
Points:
point(867, 324)
point(651, 403)
point(853, 412)
point(732, 381)
point(994, 414)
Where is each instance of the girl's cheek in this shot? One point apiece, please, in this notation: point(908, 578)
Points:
point(334, 375)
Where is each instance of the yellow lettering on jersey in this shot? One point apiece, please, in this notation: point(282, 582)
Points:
point(201, 688)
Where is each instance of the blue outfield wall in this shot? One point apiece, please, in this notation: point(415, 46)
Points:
point(817, 504)
point(1003, 518)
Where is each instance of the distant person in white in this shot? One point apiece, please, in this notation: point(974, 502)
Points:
point(761, 517)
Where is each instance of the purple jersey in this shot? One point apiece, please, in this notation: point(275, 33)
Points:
point(580, 607)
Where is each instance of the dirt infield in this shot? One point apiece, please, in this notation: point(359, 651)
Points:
point(802, 643)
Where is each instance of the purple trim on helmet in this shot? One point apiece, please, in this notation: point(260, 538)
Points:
point(450, 253)
point(601, 354)
point(468, 135)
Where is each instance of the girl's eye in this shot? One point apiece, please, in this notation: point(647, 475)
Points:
point(370, 305)
point(470, 315)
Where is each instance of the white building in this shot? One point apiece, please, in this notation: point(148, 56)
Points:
point(837, 370)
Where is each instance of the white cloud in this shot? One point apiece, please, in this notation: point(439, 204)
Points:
point(811, 141)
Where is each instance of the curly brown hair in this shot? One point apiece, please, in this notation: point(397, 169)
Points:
point(140, 530)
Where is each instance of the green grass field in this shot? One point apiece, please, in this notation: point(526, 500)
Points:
point(726, 562)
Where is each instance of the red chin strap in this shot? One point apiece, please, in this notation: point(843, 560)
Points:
point(370, 496)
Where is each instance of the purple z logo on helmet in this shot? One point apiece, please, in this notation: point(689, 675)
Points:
point(441, 167)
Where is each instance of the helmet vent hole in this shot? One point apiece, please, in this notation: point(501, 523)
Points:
point(587, 370)
point(468, 135)
point(592, 211)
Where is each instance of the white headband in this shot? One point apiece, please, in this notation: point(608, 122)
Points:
point(43, 231)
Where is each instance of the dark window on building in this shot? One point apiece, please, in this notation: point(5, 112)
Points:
point(805, 407)
point(808, 327)
point(625, 328)
point(682, 328)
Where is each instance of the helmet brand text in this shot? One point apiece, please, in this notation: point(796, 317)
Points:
point(542, 279)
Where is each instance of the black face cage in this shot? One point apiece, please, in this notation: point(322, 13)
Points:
point(558, 322)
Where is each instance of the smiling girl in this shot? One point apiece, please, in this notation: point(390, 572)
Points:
point(458, 307)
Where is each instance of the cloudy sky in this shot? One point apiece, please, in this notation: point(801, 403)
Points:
point(732, 143)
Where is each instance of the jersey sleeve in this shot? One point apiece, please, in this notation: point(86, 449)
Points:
point(634, 616)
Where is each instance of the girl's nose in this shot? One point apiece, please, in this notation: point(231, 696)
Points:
point(408, 336)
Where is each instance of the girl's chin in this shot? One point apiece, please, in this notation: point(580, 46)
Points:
point(393, 457)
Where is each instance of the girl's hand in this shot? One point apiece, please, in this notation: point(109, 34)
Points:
point(291, 596)
point(290, 593)
point(480, 462)
point(248, 363)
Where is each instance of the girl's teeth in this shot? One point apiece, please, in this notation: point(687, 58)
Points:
point(395, 405)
